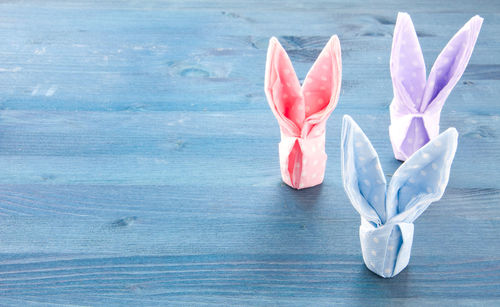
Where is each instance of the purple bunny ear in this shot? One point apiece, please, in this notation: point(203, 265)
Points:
point(450, 65)
point(407, 63)
point(416, 107)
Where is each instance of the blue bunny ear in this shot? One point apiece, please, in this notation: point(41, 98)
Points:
point(364, 181)
point(422, 179)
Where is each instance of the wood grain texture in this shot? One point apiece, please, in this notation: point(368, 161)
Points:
point(139, 161)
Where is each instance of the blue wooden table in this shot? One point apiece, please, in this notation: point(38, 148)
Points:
point(139, 157)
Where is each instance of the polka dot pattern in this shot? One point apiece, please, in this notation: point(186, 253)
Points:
point(387, 215)
point(308, 158)
point(302, 111)
point(417, 103)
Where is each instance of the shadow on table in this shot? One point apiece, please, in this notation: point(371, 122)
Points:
point(304, 199)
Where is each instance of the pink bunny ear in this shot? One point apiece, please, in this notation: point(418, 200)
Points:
point(407, 63)
point(450, 65)
point(283, 89)
point(321, 87)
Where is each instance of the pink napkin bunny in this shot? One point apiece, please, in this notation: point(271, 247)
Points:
point(302, 111)
point(417, 103)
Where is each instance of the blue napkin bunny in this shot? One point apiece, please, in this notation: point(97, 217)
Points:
point(388, 213)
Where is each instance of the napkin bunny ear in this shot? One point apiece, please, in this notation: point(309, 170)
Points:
point(283, 88)
point(422, 179)
point(362, 174)
point(292, 104)
point(450, 64)
point(407, 63)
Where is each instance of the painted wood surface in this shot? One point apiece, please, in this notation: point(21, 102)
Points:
point(139, 157)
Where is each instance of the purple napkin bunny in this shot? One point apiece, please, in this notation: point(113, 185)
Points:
point(417, 103)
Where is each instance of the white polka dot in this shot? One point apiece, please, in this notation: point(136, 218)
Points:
point(285, 96)
point(372, 265)
point(403, 42)
point(320, 101)
point(300, 107)
point(438, 143)
point(414, 74)
point(322, 88)
point(363, 169)
point(410, 140)
point(314, 175)
point(325, 67)
point(390, 247)
point(315, 162)
point(378, 167)
point(313, 149)
point(379, 181)
point(412, 180)
point(375, 239)
point(425, 155)
point(286, 71)
point(305, 161)
point(374, 253)
point(387, 271)
point(308, 108)
point(434, 166)
point(375, 198)
point(323, 78)
point(366, 182)
point(361, 158)
point(358, 144)
point(429, 190)
point(423, 173)
point(301, 185)
point(415, 63)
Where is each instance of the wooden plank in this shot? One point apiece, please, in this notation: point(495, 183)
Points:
point(139, 160)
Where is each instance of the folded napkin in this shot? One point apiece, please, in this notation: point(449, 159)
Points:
point(417, 103)
point(302, 111)
point(387, 215)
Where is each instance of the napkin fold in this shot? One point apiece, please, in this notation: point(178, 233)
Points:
point(416, 107)
point(388, 213)
point(302, 111)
